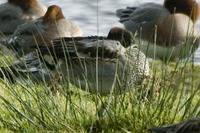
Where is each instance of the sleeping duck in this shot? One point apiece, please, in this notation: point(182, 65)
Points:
point(164, 31)
point(100, 65)
point(42, 30)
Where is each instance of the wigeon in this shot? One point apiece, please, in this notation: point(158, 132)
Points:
point(97, 64)
point(189, 126)
point(42, 30)
point(190, 8)
point(160, 33)
point(16, 12)
point(117, 66)
point(100, 65)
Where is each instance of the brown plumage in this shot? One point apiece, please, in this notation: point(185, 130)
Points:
point(153, 23)
point(53, 14)
point(43, 30)
point(188, 7)
point(121, 35)
point(16, 12)
point(24, 4)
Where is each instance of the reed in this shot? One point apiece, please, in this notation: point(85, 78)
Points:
point(170, 95)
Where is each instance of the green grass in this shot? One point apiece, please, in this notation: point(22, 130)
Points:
point(172, 94)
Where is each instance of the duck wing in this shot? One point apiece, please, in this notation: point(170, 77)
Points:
point(29, 65)
point(83, 47)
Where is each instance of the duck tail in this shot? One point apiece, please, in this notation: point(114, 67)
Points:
point(124, 14)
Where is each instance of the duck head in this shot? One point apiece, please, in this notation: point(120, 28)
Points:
point(121, 35)
point(190, 8)
point(23, 4)
point(53, 14)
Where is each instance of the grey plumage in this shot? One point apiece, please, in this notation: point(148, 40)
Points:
point(97, 64)
point(27, 67)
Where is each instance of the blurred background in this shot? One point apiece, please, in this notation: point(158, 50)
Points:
point(96, 17)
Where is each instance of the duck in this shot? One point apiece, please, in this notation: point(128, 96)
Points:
point(42, 30)
point(96, 64)
point(79, 59)
point(16, 12)
point(190, 8)
point(161, 33)
point(188, 126)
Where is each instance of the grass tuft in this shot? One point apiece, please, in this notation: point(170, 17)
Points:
point(170, 95)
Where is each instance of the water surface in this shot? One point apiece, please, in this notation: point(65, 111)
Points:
point(96, 17)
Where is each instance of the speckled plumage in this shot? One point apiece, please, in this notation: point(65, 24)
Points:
point(115, 69)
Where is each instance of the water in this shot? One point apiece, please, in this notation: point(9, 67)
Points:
point(97, 17)
point(94, 17)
